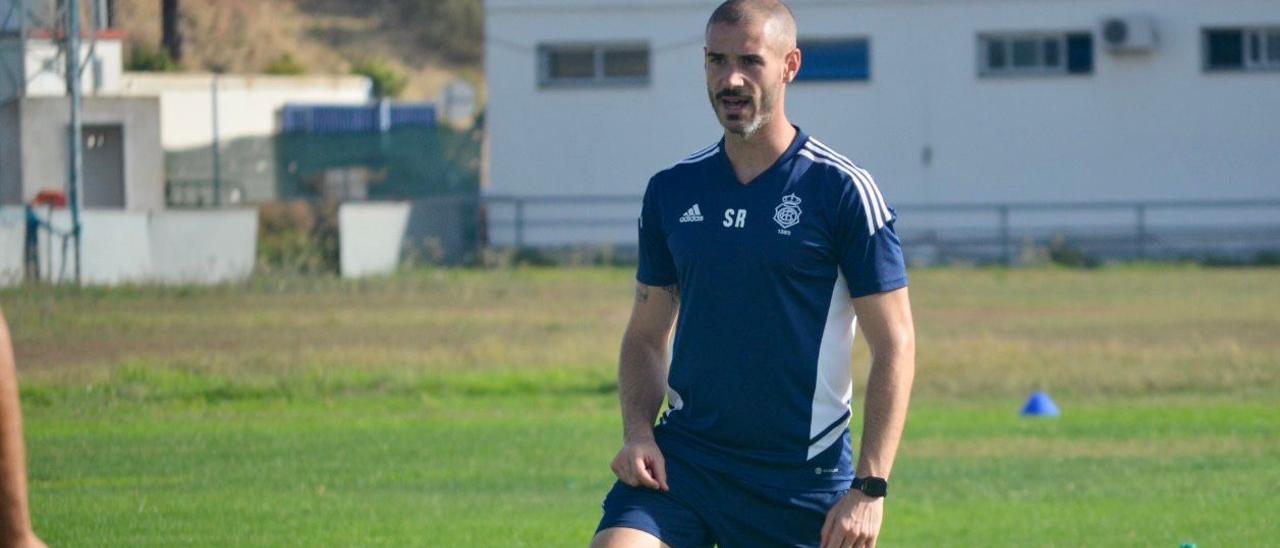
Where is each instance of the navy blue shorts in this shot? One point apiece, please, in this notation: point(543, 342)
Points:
point(709, 508)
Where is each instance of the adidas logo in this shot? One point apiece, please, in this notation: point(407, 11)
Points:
point(693, 215)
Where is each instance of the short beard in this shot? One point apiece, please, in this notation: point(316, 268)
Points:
point(751, 129)
point(762, 115)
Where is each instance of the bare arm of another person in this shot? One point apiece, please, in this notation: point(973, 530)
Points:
point(15, 518)
point(642, 381)
point(886, 323)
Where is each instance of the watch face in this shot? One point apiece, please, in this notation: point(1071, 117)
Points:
point(874, 487)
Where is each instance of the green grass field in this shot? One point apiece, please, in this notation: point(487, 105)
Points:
point(478, 408)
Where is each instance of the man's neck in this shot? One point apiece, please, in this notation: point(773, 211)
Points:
point(752, 156)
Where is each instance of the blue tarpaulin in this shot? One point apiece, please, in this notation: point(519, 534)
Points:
point(382, 116)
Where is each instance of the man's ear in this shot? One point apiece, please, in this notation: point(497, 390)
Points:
point(792, 62)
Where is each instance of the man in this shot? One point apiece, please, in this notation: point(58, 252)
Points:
point(15, 519)
point(767, 244)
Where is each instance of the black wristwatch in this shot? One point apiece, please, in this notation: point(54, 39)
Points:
point(871, 486)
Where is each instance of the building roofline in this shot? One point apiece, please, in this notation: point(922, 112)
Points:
point(500, 6)
point(44, 33)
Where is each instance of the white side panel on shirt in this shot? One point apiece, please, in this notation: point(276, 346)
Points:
point(833, 391)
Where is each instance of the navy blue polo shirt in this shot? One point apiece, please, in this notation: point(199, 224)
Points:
point(760, 377)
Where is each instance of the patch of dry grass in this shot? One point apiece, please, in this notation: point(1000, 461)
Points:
point(980, 332)
point(324, 36)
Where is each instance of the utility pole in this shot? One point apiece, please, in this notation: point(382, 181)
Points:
point(103, 11)
point(76, 138)
point(171, 28)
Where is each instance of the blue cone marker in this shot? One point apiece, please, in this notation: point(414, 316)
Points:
point(1040, 405)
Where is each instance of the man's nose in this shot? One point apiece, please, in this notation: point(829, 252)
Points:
point(734, 79)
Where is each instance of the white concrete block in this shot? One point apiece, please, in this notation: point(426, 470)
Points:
point(171, 247)
point(203, 247)
point(12, 236)
point(371, 237)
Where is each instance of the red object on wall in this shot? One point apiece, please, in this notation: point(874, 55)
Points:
point(51, 197)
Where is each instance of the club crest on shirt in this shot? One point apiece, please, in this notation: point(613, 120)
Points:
point(787, 214)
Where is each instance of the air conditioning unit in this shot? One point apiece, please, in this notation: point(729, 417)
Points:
point(1129, 33)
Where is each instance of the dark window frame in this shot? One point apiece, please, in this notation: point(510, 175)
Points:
point(1239, 48)
point(1072, 53)
point(600, 72)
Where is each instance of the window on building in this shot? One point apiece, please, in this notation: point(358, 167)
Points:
point(1255, 48)
point(593, 64)
point(1035, 53)
point(839, 59)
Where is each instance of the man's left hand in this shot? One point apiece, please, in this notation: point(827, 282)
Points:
point(854, 522)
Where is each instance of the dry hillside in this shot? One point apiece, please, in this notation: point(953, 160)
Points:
point(419, 38)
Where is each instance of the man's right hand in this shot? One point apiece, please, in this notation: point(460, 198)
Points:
point(640, 464)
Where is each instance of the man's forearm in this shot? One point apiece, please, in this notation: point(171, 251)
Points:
point(885, 411)
point(642, 378)
point(15, 521)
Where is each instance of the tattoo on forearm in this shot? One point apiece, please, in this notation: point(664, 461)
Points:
point(673, 291)
point(642, 292)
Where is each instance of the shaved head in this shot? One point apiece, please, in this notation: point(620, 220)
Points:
point(750, 57)
point(779, 23)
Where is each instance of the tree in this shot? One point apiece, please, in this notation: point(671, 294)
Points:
point(285, 65)
point(387, 81)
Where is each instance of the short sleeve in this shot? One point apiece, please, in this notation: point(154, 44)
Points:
point(870, 253)
point(656, 265)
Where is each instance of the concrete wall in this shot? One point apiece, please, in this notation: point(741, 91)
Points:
point(377, 237)
point(11, 73)
point(43, 125)
point(12, 238)
point(172, 247)
point(1146, 127)
point(203, 247)
point(42, 69)
point(371, 237)
point(115, 248)
point(248, 105)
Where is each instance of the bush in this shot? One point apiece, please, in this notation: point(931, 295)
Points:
point(285, 65)
point(298, 238)
point(1266, 258)
point(387, 81)
point(144, 58)
point(1064, 253)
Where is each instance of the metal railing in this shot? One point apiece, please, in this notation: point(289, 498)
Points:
point(1139, 238)
point(991, 232)
point(200, 193)
point(521, 223)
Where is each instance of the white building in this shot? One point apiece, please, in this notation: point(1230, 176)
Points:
point(247, 109)
point(944, 101)
point(249, 105)
point(126, 233)
point(123, 165)
point(129, 111)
